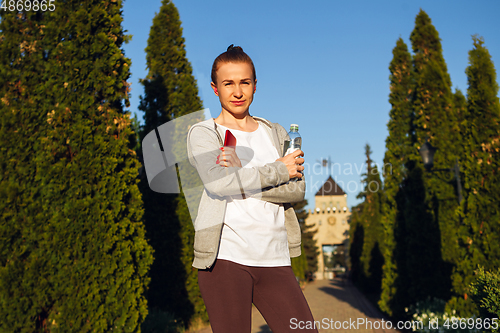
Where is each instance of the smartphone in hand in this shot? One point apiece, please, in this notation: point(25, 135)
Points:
point(230, 139)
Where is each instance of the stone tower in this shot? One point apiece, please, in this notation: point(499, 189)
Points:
point(330, 218)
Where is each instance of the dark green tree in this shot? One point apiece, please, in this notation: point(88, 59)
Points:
point(430, 219)
point(135, 140)
point(370, 218)
point(73, 254)
point(356, 240)
point(460, 102)
point(480, 231)
point(170, 92)
point(420, 215)
point(310, 249)
point(485, 293)
point(398, 145)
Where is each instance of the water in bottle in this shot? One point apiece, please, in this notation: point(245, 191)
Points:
point(295, 139)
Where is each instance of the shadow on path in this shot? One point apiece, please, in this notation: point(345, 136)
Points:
point(345, 291)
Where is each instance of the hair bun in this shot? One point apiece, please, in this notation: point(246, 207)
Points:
point(234, 48)
point(234, 54)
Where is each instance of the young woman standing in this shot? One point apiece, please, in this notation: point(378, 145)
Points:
point(246, 230)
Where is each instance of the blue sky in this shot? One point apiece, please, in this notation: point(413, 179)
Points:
point(320, 64)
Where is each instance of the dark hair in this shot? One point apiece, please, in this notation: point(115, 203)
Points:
point(233, 54)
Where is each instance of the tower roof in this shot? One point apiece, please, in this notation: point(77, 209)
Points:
point(330, 187)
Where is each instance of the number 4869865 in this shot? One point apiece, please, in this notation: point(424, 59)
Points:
point(471, 323)
point(28, 5)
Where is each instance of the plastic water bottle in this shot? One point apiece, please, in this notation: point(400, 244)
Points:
point(295, 142)
point(295, 139)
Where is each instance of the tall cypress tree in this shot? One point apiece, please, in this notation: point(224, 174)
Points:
point(480, 232)
point(395, 160)
point(170, 91)
point(430, 219)
point(453, 249)
point(371, 259)
point(73, 252)
point(420, 218)
point(460, 103)
point(356, 240)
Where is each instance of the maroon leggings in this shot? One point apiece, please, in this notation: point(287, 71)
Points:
point(229, 289)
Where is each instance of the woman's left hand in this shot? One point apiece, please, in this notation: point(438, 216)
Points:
point(293, 163)
point(228, 158)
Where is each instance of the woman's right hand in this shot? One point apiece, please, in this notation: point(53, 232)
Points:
point(294, 163)
point(228, 158)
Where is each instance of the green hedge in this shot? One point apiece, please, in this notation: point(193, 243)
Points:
point(485, 292)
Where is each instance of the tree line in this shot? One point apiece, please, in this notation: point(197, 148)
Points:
point(73, 251)
point(415, 239)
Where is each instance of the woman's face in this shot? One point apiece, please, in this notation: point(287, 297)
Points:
point(235, 87)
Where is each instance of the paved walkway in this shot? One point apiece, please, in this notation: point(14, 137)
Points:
point(338, 307)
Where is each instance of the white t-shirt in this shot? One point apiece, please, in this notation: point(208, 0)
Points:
point(254, 231)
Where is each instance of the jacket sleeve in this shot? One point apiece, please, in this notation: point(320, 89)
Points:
point(290, 192)
point(203, 148)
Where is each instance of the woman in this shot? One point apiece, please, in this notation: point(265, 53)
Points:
point(246, 230)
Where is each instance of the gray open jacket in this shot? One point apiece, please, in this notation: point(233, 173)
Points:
point(269, 182)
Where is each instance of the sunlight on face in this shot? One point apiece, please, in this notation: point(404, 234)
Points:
point(235, 87)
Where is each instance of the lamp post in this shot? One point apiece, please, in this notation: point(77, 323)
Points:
point(427, 152)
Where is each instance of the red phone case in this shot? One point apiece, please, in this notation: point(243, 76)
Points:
point(229, 140)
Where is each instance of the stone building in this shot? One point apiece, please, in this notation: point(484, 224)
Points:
point(331, 221)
